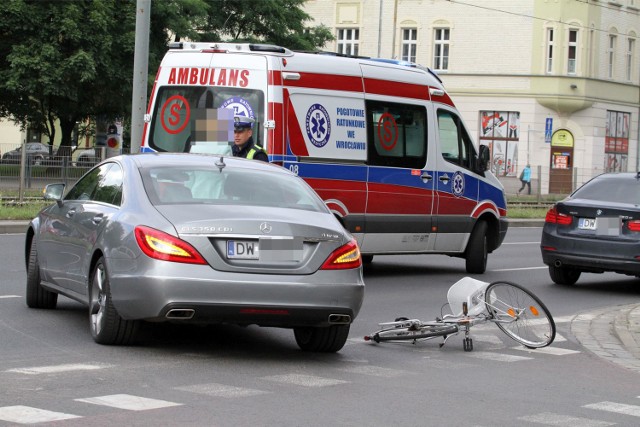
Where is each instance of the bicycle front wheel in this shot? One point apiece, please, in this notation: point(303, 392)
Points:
point(410, 334)
point(520, 314)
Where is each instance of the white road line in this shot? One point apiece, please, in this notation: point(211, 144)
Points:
point(57, 369)
point(554, 351)
point(562, 319)
point(28, 415)
point(619, 408)
point(9, 296)
point(220, 390)
point(304, 380)
point(129, 402)
point(521, 268)
point(498, 357)
point(551, 419)
point(521, 243)
point(375, 371)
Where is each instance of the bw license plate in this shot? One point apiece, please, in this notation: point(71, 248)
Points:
point(587, 223)
point(243, 249)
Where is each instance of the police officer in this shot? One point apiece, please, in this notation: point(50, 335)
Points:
point(243, 145)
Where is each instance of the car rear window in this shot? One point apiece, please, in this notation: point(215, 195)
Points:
point(179, 185)
point(611, 189)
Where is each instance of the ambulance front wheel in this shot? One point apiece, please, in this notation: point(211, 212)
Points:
point(476, 253)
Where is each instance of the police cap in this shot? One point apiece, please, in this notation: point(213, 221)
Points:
point(242, 122)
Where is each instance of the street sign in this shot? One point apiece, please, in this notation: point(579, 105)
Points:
point(548, 130)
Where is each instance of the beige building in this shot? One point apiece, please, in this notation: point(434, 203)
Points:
point(553, 83)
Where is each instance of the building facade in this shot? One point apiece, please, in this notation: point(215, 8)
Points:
point(550, 83)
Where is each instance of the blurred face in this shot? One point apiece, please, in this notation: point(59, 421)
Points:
point(241, 136)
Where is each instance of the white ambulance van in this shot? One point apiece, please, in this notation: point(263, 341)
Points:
point(380, 141)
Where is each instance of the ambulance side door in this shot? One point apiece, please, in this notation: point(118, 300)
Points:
point(456, 182)
point(399, 187)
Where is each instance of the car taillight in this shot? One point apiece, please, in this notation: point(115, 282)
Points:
point(633, 225)
point(345, 257)
point(159, 245)
point(554, 217)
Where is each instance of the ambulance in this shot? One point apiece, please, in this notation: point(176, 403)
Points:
point(379, 140)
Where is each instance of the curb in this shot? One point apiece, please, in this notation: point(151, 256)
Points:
point(13, 227)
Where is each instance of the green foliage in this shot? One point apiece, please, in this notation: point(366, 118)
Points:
point(67, 60)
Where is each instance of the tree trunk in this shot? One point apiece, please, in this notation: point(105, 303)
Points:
point(66, 132)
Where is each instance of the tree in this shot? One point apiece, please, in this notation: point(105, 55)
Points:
point(67, 60)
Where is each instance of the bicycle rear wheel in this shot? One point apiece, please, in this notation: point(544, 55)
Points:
point(520, 314)
point(412, 333)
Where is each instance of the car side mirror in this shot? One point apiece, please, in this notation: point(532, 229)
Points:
point(483, 158)
point(54, 192)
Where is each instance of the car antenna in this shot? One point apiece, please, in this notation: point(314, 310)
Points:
point(220, 164)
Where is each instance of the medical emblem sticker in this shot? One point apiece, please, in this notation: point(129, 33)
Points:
point(457, 184)
point(318, 125)
point(240, 107)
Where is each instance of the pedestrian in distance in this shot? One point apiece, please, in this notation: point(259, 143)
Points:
point(525, 178)
point(243, 144)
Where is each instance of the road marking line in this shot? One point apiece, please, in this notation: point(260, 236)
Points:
point(551, 419)
point(57, 369)
point(221, 390)
point(554, 351)
point(375, 371)
point(498, 357)
point(9, 296)
point(28, 415)
point(304, 380)
point(520, 268)
point(619, 408)
point(127, 401)
point(522, 243)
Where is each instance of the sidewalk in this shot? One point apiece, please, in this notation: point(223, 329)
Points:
point(612, 333)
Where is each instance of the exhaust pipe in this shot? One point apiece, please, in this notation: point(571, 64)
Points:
point(557, 263)
point(339, 319)
point(180, 314)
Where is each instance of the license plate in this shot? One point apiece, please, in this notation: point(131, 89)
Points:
point(243, 249)
point(587, 223)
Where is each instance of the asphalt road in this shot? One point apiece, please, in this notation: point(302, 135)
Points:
point(51, 372)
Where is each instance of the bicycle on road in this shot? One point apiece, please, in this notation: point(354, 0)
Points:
point(515, 310)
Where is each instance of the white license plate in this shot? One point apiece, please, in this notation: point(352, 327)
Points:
point(243, 249)
point(587, 223)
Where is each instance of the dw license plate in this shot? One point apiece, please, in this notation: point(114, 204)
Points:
point(243, 249)
point(587, 223)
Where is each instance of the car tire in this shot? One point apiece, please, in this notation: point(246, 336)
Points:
point(564, 275)
point(476, 253)
point(37, 160)
point(37, 296)
point(107, 327)
point(367, 259)
point(322, 339)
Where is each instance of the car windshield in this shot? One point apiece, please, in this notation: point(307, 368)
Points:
point(180, 185)
point(610, 189)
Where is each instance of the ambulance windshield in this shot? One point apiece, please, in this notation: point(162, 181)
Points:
point(200, 119)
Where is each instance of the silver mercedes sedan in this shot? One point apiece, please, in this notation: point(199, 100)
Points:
point(195, 238)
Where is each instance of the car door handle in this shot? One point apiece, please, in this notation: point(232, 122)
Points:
point(426, 177)
point(444, 178)
point(71, 212)
point(97, 219)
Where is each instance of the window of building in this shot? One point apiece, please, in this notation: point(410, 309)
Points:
point(572, 52)
point(409, 44)
point(611, 54)
point(549, 51)
point(616, 141)
point(631, 47)
point(348, 41)
point(500, 131)
point(441, 49)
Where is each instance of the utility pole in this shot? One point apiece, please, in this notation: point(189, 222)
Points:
point(140, 73)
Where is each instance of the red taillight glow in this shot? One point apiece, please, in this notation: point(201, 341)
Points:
point(633, 225)
point(343, 258)
point(554, 217)
point(160, 245)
